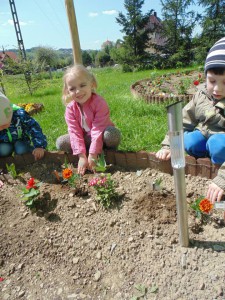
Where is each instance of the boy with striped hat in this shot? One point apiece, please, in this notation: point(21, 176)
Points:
point(204, 120)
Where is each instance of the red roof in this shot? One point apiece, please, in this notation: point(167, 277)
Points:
point(8, 54)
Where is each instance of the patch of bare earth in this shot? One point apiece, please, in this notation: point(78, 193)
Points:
point(71, 248)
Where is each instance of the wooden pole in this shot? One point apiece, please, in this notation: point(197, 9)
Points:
point(73, 31)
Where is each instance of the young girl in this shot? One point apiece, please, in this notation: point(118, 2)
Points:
point(204, 120)
point(87, 117)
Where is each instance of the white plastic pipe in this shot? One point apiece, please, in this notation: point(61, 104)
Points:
point(175, 124)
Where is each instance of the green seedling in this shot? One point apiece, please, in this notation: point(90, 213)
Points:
point(12, 170)
point(100, 163)
point(157, 184)
point(142, 291)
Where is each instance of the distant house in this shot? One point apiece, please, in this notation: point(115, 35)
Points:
point(107, 44)
point(156, 39)
point(4, 55)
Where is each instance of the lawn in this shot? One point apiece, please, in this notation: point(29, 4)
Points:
point(142, 125)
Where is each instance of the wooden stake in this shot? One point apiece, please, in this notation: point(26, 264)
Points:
point(73, 31)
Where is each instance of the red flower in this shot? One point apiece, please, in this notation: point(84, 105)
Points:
point(1, 279)
point(205, 206)
point(196, 82)
point(31, 184)
point(67, 173)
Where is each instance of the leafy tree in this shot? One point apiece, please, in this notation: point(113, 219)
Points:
point(86, 58)
point(102, 59)
point(178, 26)
point(46, 57)
point(136, 37)
point(28, 68)
point(213, 26)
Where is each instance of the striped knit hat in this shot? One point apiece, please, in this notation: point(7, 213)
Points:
point(216, 56)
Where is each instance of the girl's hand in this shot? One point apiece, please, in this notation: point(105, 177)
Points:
point(163, 154)
point(38, 153)
point(82, 164)
point(214, 193)
point(92, 161)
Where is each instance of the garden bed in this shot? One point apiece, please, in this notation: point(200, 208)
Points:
point(170, 87)
point(73, 248)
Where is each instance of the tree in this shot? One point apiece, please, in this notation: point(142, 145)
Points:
point(134, 25)
point(46, 57)
point(102, 59)
point(178, 26)
point(212, 23)
point(86, 58)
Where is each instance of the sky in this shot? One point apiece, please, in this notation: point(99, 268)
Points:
point(45, 22)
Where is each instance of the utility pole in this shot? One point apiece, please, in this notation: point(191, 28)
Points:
point(22, 51)
point(17, 29)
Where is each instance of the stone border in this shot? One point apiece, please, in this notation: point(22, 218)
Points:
point(157, 99)
point(129, 160)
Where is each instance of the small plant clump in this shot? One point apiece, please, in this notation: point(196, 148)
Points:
point(67, 175)
point(12, 170)
point(105, 188)
point(70, 176)
point(202, 207)
point(31, 108)
point(101, 163)
point(31, 192)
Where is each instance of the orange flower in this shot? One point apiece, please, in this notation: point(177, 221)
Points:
point(67, 173)
point(205, 206)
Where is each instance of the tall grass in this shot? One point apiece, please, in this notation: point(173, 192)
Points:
point(142, 125)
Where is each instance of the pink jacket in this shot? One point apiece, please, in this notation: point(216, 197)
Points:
point(96, 114)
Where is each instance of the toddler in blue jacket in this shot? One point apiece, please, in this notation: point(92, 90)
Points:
point(19, 133)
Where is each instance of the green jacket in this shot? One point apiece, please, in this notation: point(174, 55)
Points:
point(207, 116)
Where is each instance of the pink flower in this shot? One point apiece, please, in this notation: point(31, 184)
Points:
point(1, 279)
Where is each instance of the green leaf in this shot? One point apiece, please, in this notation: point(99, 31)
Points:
point(154, 289)
point(100, 163)
point(141, 288)
point(11, 170)
point(29, 202)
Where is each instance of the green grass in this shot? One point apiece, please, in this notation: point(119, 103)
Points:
point(142, 125)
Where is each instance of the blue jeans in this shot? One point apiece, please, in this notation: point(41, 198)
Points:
point(19, 147)
point(195, 144)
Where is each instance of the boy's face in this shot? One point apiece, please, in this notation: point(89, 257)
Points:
point(215, 85)
point(5, 126)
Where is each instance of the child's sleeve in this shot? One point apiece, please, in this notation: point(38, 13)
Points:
point(189, 115)
point(100, 122)
point(32, 129)
point(75, 132)
point(220, 178)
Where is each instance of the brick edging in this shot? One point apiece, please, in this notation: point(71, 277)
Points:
point(132, 160)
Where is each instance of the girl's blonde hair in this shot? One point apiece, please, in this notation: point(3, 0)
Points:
point(75, 71)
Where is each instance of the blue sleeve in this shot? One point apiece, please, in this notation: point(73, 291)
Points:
point(32, 129)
